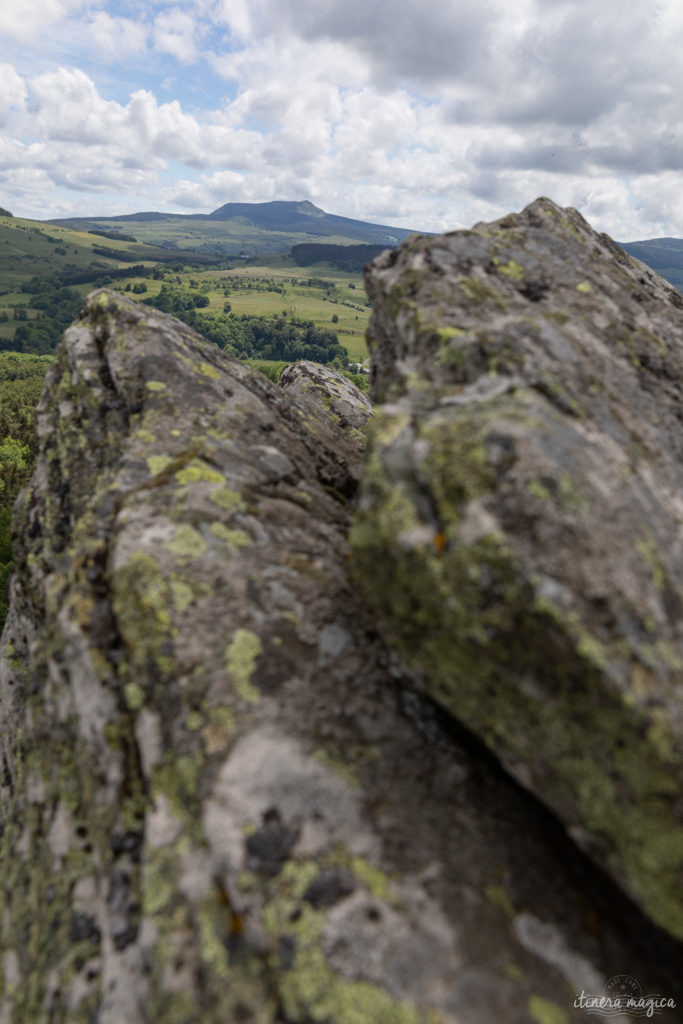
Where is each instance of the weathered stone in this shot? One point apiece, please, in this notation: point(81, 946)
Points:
point(519, 533)
point(221, 800)
point(332, 397)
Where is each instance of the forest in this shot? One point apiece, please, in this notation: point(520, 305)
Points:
point(53, 304)
point(351, 258)
point(21, 383)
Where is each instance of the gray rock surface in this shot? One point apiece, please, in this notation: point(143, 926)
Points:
point(221, 798)
point(332, 397)
point(520, 533)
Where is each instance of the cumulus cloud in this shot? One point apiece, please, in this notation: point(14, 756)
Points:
point(415, 112)
point(28, 19)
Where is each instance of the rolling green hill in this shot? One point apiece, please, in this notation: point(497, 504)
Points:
point(243, 229)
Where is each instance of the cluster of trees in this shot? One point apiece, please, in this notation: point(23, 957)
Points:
point(56, 308)
point(175, 299)
point(96, 274)
point(351, 258)
point(251, 336)
point(253, 284)
point(21, 382)
point(57, 304)
point(118, 235)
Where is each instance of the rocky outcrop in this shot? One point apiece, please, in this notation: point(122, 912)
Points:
point(223, 798)
point(520, 533)
point(331, 396)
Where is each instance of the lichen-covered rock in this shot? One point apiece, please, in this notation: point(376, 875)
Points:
point(331, 396)
point(220, 800)
point(520, 531)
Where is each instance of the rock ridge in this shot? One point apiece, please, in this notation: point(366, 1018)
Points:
point(226, 797)
point(520, 530)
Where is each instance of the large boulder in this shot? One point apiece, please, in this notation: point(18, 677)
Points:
point(221, 799)
point(520, 533)
point(332, 395)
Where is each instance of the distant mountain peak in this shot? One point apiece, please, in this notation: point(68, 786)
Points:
point(261, 212)
point(309, 209)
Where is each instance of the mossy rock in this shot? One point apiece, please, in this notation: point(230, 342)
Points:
point(518, 532)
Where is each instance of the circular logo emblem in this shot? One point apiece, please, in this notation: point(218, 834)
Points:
point(622, 986)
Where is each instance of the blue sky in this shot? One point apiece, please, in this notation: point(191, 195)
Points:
point(421, 113)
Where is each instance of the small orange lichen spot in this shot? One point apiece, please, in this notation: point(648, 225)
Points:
point(236, 925)
point(440, 542)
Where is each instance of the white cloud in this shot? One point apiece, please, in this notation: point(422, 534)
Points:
point(415, 112)
point(237, 15)
point(12, 92)
point(117, 39)
point(28, 19)
point(174, 32)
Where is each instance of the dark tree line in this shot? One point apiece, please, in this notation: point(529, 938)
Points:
point(351, 258)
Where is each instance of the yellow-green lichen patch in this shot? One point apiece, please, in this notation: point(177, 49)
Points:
point(146, 436)
point(585, 287)
point(101, 301)
point(219, 730)
point(241, 657)
point(159, 880)
point(446, 333)
point(233, 538)
point(177, 778)
point(209, 371)
point(183, 595)
point(375, 880)
point(141, 599)
point(194, 721)
point(310, 990)
point(155, 385)
point(477, 292)
point(197, 470)
point(225, 498)
point(187, 542)
point(158, 463)
point(513, 270)
point(538, 490)
point(545, 1012)
point(134, 696)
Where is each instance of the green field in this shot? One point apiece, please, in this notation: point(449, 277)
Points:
point(271, 285)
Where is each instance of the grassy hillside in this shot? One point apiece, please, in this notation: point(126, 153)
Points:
point(47, 270)
point(665, 255)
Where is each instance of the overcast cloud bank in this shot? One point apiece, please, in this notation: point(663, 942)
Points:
point(414, 113)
